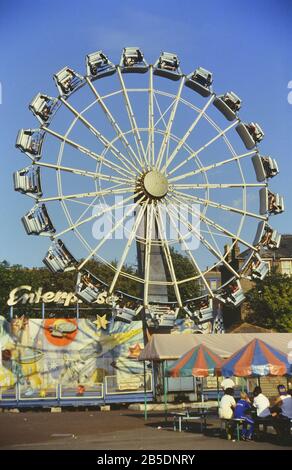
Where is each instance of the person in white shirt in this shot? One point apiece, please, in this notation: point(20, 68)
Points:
point(286, 406)
point(284, 402)
point(282, 413)
point(226, 407)
point(261, 403)
point(227, 404)
point(227, 383)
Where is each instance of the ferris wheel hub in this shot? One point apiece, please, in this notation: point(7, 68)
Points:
point(155, 184)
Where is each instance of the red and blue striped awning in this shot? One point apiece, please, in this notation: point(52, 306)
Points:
point(257, 359)
point(199, 362)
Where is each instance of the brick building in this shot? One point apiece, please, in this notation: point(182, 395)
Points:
point(280, 259)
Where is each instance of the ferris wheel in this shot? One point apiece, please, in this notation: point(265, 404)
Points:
point(167, 167)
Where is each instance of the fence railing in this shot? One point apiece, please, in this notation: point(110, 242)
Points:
point(90, 391)
point(112, 385)
point(9, 394)
point(28, 393)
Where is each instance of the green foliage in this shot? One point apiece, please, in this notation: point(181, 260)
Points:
point(184, 269)
point(270, 301)
point(12, 276)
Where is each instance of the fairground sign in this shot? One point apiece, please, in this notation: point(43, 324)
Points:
point(25, 295)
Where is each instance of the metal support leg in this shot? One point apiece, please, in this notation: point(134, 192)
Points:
point(238, 431)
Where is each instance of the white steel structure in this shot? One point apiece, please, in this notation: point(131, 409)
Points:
point(152, 139)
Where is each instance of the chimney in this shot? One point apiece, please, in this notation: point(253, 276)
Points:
point(235, 250)
point(229, 256)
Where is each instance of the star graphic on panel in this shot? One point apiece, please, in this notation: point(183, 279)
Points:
point(134, 351)
point(101, 322)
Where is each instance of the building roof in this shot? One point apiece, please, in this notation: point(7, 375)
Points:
point(284, 251)
point(248, 328)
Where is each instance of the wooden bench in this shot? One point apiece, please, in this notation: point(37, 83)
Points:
point(265, 423)
point(236, 423)
point(230, 424)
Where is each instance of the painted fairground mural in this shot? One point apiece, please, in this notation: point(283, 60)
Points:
point(70, 358)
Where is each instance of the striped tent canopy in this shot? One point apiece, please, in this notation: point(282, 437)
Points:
point(199, 362)
point(257, 359)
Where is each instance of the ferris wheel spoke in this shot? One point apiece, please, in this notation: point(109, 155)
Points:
point(202, 239)
point(147, 258)
point(221, 133)
point(80, 203)
point(204, 169)
point(151, 147)
point(219, 185)
point(82, 215)
point(77, 171)
point(118, 169)
point(167, 149)
point(98, 134)
point(181, 239)
point(127, 247)
point(103, 211)
point(169, 125)
point(162, 114)
point(163, 120)
point(168, 257)
point(104, 192)
point(115, 126)
point(132, 119)
point(211, 203)
point(188, 133)
point(219, 227)
point(111, 232)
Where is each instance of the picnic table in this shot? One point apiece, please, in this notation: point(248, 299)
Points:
point(189, 415)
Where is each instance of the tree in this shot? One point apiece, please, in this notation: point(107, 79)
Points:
point(12, 276)
point(270, 301)
point(184, 269)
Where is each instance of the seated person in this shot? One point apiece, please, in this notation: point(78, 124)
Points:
point(284, 402)
point(67, 82)
point(272, 202)
point(129, 61)
point(266, 163)
point(168, 66)
point(227, 404)
point(227, 382)
point(243, 407)
point(261, 403)
point(282, 412)
point(234, 288)
point(226, 407)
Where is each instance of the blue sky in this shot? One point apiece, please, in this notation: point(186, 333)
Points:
point(246, 44)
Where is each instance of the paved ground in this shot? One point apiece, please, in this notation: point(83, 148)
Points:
point(116, 429)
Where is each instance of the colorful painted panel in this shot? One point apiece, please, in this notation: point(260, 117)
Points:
point(74, 355)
